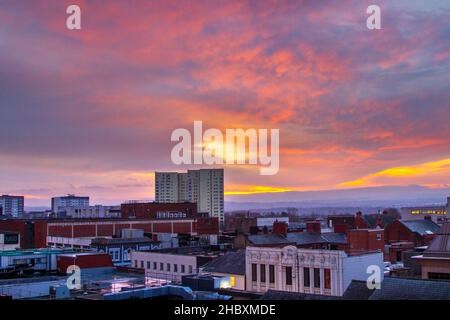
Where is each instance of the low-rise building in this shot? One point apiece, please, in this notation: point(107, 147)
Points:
point(322, 272)
point(97, 211)
point(172, 264)
point(232, 265)
point(13, 262)
point(120, 248)
point(9, 240)
point(419, 232)
point(435, 260)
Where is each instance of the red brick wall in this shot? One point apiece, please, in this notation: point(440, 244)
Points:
point(84, 261)
point(60, 231)
point(105, 230)
point(150, 210)
point(209, 225)
point(84, 231)
point(360, 240)
point(182, 227)
point(162, 227)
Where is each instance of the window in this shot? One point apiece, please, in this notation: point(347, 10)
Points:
point(327, 278)
point(271, 273)
point(254, 273)
point(306, 277)
point(142, 264)
point(263, 272)
point(190, 269)
point(148, 264)
point(175, 268)
point(161, 266)
point(182, 268)
point(168, 267)
point(288, 276)
point(316, 278)
point(155, 266)
point(379, 236)
point(135, 263)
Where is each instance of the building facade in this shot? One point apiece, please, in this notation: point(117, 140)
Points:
point(171, 264)
point(324, 272)
point(97, 211)
point(70, 200)
point(39, 233)
point(120, 248)
point(12, 205)
point(9, 240)
point(205, 187)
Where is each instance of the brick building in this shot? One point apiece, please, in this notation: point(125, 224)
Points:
point(153, 210)
point(419, 232)
point(435, 261)
point(35, 233)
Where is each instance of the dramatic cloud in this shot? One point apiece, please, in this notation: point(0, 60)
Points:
point(91, 111)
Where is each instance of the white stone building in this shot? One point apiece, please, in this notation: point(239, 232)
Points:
point(325, 272)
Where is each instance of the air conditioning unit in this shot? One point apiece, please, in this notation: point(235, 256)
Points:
point(59, 292)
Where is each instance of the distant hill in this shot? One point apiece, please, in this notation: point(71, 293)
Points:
point(396, 196)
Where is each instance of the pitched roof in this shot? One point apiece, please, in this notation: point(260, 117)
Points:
point(304, 238)
point(422, 227)
point(267, 239)
point(357, 290)
point(232, 262)
point(393, 288)
point(440, 246)
point(372, 219)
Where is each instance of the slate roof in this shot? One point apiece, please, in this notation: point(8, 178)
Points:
point(305, 238)
point(284, 295)
point(392, 288)
point(357, 290)
point(372, 219)
point(412, 289)
point(440, 246)
point(267, 239)
point(232, 262)
point(422, 227)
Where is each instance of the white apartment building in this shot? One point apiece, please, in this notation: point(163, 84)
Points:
point(204, 187)
point(69, 201)
point(97, 211)
point(324, 272)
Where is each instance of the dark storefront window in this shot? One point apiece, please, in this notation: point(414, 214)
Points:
point(289, 275)
point(306, 278)
point(271, 273)
point(254, 273)
point(263, 272)
point(316, 278)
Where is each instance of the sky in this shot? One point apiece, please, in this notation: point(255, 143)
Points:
point(91, 111)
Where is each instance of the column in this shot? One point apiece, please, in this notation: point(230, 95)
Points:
point(279, 278)
point(311, 279)
point(322, 280)
point(258, 277)
point(301, 284)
